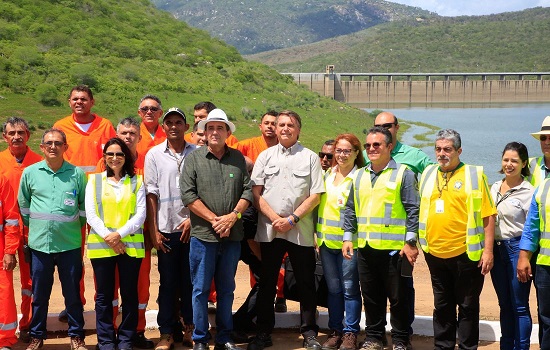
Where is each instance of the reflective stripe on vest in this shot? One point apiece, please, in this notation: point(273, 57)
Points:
point(381, 216)
point(330, 221)
point(537, 172)
point(97, 247)
point(543, 202)
point(8, 326)
point(475, 235)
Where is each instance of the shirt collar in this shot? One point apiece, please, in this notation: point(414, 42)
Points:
point(290, 150)
point(391, 165)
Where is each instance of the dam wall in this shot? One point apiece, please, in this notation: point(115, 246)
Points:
point(433, 88)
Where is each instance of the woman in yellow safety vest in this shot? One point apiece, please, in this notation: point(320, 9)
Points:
point(341, 274)
point(512, 196)
point(115, 211)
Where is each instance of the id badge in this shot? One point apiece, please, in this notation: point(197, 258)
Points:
point(440, 206)
point(178, 181)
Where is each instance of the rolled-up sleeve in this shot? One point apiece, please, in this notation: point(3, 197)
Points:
point(531, 230)
point(151, 178)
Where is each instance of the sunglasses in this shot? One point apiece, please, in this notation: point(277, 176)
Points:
point(323, 155)
point(147, 108)
point(112, 154)
point(374, 145)
point(52, 143)
point(385, 125)
point(543, 138)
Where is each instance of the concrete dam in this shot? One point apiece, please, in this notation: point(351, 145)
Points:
point(378, 89)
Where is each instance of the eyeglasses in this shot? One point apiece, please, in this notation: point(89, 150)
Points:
point(345, 152)
point(385, 125)
point(543, 137)
point(113, 154)
point(53, 143)
point(374, 145)
point(323, 155)
point(147, 109)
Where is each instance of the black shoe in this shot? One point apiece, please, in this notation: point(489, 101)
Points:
point(240, 337)
point(260, 342)
point(63, 317)
point(226, 346)
point(280, 305)
point(141, 342)
point(200, 346)
point(24, 336)
point(311, 343)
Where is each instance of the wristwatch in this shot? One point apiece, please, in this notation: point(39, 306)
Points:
point(296, 218)
point(411, 242)
point(239, 215)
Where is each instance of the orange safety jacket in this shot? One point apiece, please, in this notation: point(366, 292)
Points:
point(85, 148)
point(147, 142)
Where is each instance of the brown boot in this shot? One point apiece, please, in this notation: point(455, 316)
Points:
point(333, 341)
point(77, 343)
point(188, 335)
point(349, 341)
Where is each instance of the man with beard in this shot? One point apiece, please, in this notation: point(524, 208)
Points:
point(456, 232)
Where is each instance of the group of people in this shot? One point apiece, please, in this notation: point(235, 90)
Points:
point(205, 200)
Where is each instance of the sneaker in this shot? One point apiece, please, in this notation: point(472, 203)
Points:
point(211, 307)
point(333, 341)
point(77, 343)
point(63, 317)
point(260, 341)
point(349, 341)
point(35, 344)
point(311, 343)
point(401, 346)
point(372, 344)
point(280, 305)
point(140, 341)
point(24, 336)
point(166, 342)
point(188, 335)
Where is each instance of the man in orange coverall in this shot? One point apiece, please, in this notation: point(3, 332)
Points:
point(86, 134)
point(14, 160)
point(9, 241)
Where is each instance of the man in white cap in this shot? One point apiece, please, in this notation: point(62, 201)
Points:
point(539, 167)
point(215, 186)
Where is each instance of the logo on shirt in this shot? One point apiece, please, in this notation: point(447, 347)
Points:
point(458, 185)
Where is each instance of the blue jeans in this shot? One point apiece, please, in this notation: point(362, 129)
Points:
point(69, 268)
point(542, 281)
point(513, 296)
point(344, 293)
point(104, 272)
point(216, 260)
point(175, 284)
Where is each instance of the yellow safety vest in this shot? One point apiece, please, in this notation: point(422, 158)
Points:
point(330, 221)
point(115, 214)
point(381, 216)
point(543, 201)
point(475, 235)
point(537, 173)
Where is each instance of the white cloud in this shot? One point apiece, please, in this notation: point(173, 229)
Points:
point(473, 7)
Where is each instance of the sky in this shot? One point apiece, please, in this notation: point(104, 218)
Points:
point(473, 7)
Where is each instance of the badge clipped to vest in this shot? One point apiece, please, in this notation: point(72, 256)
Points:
point(439, 206)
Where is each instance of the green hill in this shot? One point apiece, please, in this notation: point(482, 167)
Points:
point(254, 26)
point(126, 49)
point(514, 41)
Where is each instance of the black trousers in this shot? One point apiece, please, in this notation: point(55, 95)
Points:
point(381, 281)
point(303, 262)
point(456, 282)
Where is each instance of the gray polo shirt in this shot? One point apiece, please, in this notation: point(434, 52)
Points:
point(512, 209)
point(219, 184)
point(289, 176)
point(162, 173)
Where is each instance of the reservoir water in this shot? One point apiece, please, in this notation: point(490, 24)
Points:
point(484, 131)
